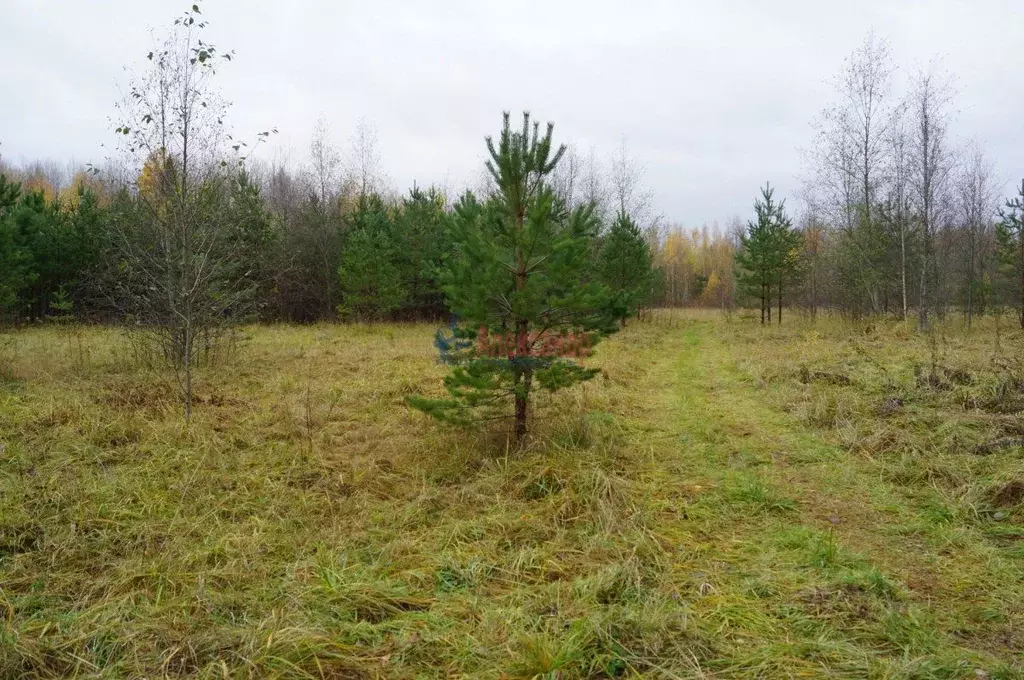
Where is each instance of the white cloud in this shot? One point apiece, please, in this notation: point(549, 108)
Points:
point(714, 98)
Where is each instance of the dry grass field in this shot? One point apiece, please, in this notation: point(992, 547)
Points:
point(723, 501)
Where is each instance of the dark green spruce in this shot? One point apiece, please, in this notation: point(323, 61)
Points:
point(624, 265)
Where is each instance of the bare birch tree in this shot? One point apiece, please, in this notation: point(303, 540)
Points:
point(850, 159)
point(594, 185)
point(325, 164)
point(929, 108)
point(566, 179)
point(898, 209)
point(630, 196)
point(976, 208)
point(364, 159)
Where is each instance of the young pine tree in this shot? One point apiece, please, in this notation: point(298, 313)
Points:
point(371, 283)
point(84, 246)
point(254, 236)
point(768, 258)
point(422, 243)
point(624, 265)
point(15, 258)
point(754, 257)
point(1010, 242)
point(788, 247)
point(518, 283)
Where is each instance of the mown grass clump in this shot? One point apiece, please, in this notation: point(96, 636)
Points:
point(715, 504)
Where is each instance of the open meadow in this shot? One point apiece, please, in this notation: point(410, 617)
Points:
point(725, 500)
point(715, 387)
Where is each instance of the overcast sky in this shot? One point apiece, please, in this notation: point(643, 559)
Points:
point(713, 98)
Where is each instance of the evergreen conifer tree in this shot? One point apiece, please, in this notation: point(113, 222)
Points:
point(14, 257)
point(253, 235)
point(422, 243)
point(37, 232)
point(754, 257)
point(769, 254)
point(371, 284)
point(517, 284)
point(1010, 242)
point(624, 265)
point(87, 235)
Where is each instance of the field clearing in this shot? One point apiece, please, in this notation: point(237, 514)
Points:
point(725, 501)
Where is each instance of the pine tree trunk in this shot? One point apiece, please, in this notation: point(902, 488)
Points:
point(522, 351)
point(762, 303)
point(521, 402)
point(1021, 315)
point(524, 381)
point(999, 313)
point(780, 300)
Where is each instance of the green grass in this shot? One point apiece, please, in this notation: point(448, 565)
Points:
point(718, 503)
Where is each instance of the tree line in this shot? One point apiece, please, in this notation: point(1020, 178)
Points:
point(299, 255)
point(902, 218)
point(897, 217)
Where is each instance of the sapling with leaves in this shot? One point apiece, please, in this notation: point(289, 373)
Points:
point(178, 252)
point(518, 285)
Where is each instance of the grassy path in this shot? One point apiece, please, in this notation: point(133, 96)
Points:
point(817, 565)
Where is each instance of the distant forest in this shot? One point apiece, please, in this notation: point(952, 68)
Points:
point(899, 218)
